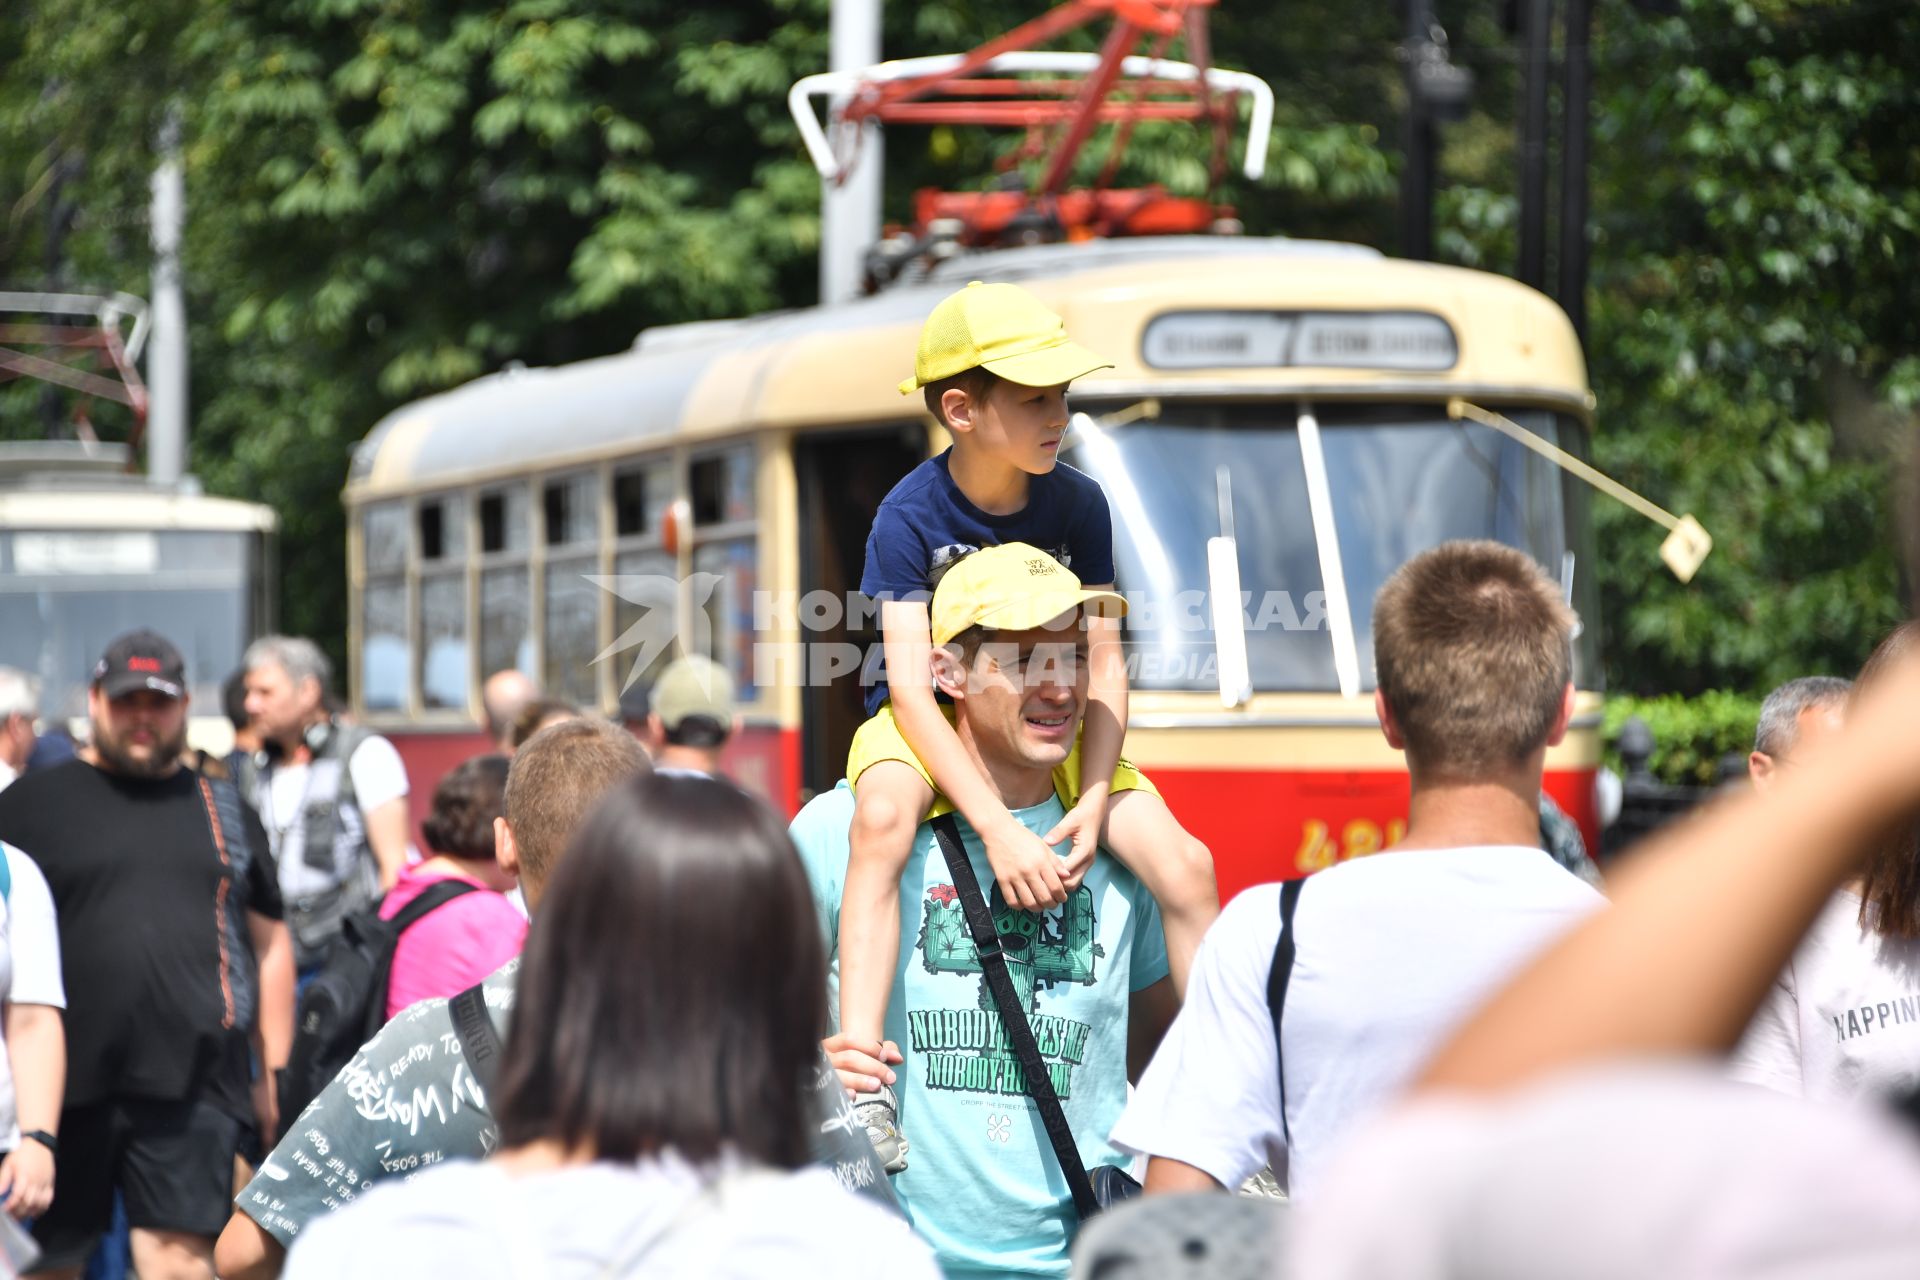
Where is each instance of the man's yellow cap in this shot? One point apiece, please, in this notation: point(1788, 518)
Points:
point(1011, 587)
point(1003, 329)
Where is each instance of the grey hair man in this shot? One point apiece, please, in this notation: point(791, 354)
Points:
point(1798, 713)
point(333, 797)
point(19, 708)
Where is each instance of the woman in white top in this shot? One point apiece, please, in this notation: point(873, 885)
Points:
point(653, 1096)
point(1843, 1018)
point(33, 1069)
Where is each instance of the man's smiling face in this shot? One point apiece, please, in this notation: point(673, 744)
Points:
point(1026, 691)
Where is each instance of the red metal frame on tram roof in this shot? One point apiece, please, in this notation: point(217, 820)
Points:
point(88, 341)
point(1073, 108)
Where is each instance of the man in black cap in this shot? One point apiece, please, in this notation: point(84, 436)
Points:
point(175, 960)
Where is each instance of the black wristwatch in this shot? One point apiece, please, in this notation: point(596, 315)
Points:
point(44, 1138)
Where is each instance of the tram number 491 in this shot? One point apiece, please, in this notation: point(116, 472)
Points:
point(1319, 850)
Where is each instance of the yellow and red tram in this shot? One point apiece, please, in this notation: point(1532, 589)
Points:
point(712, 489)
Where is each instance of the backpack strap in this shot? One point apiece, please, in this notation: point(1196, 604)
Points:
point(1013, 1018)
point(6, 873)
point(1277, 978)
point(479, 1040)
point(431, 898)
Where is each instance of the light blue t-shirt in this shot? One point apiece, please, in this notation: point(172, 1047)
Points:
point(982, 1186)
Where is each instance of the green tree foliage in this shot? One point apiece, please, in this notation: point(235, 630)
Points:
point(1691, 736)
point(388, 197)
point(1758, 197)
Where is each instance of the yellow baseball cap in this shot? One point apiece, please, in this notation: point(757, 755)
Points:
point(1011, 587)
point(1003, 329)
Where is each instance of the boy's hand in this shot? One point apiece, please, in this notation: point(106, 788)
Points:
point(864, 1065)
point(1028, 871)
point(1082, 826)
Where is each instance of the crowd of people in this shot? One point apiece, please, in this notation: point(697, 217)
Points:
point(604, 1013)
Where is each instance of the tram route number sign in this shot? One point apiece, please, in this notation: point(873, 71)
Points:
point(1408, 341)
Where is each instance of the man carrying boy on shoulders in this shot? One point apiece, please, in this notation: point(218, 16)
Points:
point(985, 1188)
point(994, 365)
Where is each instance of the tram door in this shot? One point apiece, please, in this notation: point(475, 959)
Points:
point(842, 477)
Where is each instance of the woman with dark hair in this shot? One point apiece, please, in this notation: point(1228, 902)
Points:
point(466, 938)
point(1843, 1018)
point(653, 1097)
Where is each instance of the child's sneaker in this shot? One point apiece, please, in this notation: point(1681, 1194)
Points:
point(880, 1113)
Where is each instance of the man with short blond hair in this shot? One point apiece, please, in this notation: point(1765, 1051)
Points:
point(366, 1120)
point(1366, 968)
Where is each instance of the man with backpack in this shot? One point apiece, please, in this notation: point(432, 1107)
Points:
point(1314, 1003)
point(176, 965)
point(333, 796)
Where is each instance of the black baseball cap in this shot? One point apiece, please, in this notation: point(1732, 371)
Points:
point(141, 660)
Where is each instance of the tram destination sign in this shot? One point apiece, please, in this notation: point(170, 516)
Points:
point(1408, 341)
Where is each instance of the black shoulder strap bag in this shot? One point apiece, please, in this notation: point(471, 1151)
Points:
point(1108, 1185)
point(479, 1042)
point(1278, 975)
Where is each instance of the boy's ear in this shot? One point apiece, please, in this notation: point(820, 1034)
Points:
point(949, 672)
point(957, 407)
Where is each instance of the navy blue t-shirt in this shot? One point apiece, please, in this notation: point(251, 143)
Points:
point(926, 522)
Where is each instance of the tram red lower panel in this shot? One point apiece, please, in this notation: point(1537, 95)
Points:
point(765, 761)
point(1261, 824)
point(1264, 825)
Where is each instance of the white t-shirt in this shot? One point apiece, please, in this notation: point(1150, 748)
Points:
point(1625, 1169)
point(1843, 1018)
point(653, 1219)
point(1392, 951)
point(29, 964)
point(378, 777)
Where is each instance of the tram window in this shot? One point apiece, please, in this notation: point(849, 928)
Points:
point(729, 605)
point(646, 605)
point(572, 515)
point(1161, 483)
point(443, 528)
point(383, 646)
point(64, 593)
point(1406, 478)
point(443, 640)
point(721, 487)
point(383, 535)
point(640, 497)
point(503, 520)
point(506, 620)
point(573, 630)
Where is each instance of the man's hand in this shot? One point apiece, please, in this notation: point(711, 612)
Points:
point(1028, 871)
point(1082, 826)
point(26, 1179)
point(862, 1064)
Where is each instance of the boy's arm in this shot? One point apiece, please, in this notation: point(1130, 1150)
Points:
point(1106, 729)
point(1028, 871)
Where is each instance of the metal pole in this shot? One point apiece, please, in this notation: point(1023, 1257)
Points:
point(1537, 46)
point(1576, 102)
point(850, 212)
point(1416, 176)
point(167, 354)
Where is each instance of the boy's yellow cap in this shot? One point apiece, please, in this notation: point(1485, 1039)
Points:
point(1003, 329)
point(1011, 587)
